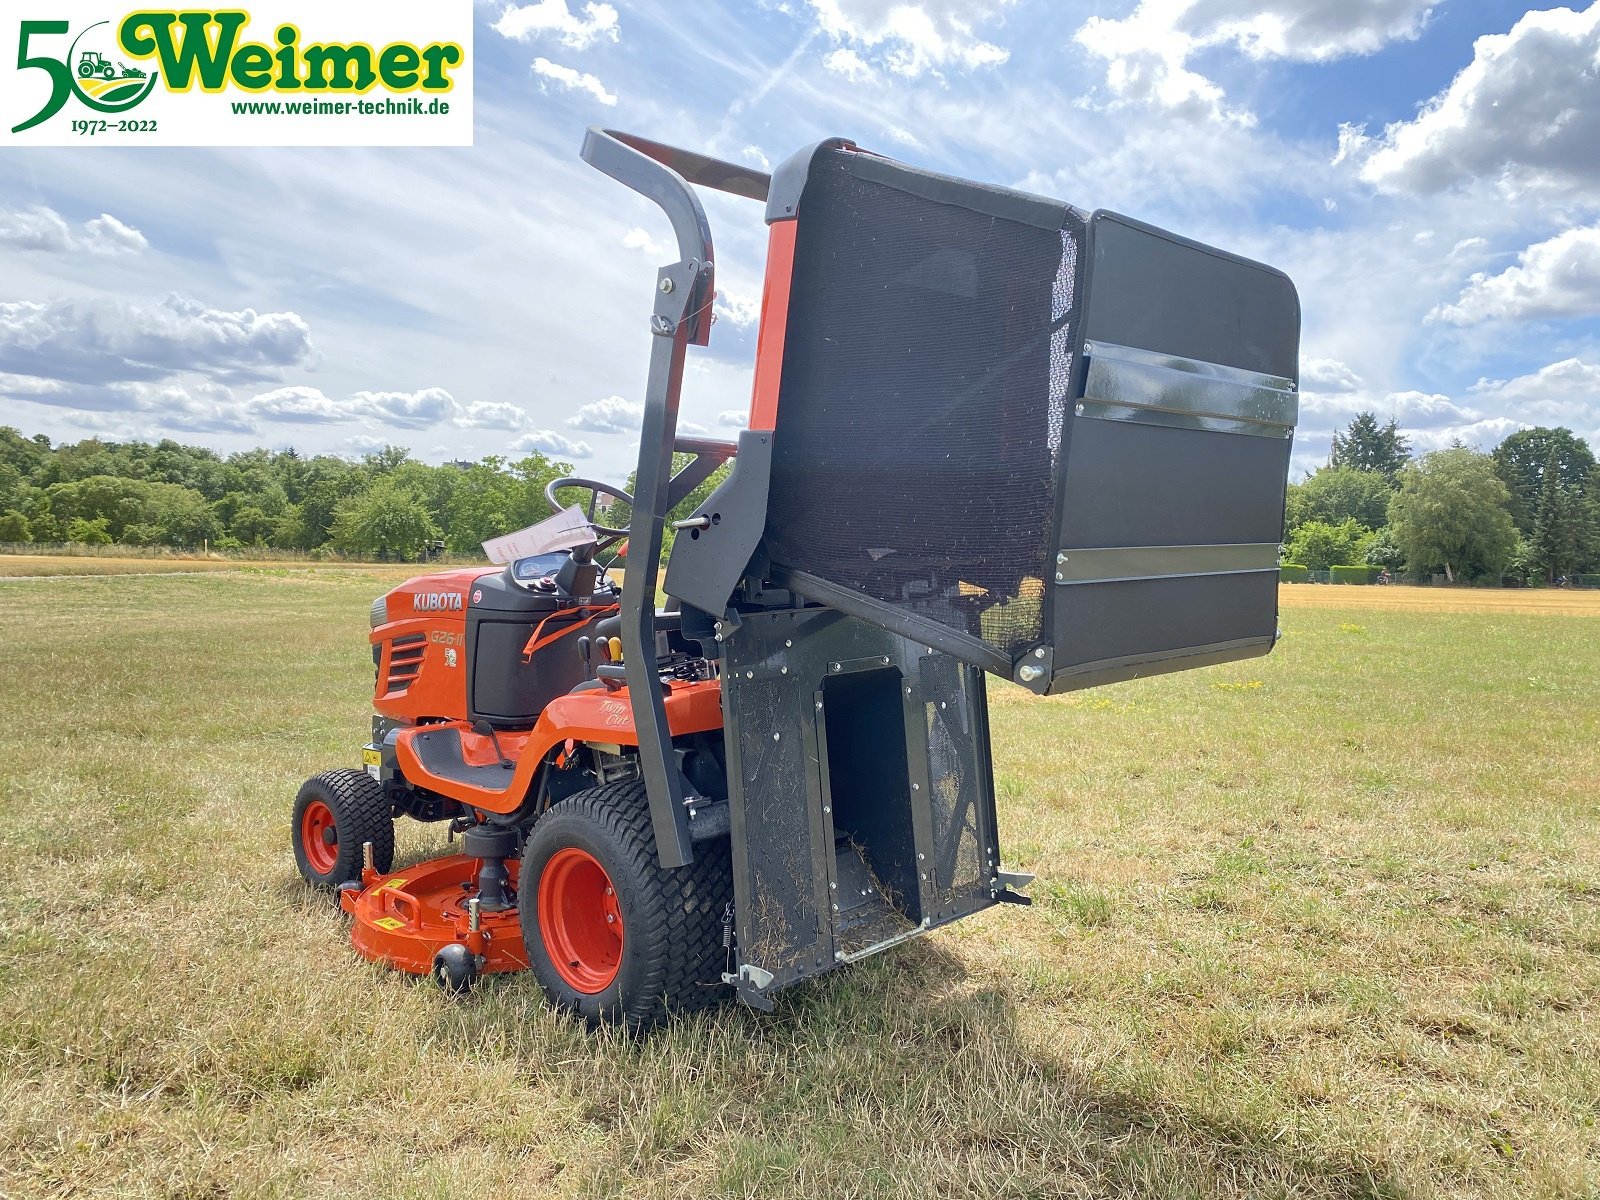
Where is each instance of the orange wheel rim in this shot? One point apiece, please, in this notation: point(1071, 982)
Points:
point(580, 920)
point(319, 836)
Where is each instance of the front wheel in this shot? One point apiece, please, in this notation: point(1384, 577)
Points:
point(334, 814)
point(610, 935)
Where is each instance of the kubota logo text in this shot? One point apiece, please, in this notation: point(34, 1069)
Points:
point(316, 72)
point(436, 601)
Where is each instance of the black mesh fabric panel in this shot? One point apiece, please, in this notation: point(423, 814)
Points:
point(925, 381)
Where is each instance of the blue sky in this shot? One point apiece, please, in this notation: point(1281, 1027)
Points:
point(1426, 170)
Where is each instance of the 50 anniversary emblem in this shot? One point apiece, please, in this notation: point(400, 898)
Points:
point(320, 73)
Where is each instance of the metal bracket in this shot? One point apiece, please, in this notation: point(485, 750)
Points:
point(750, 974)
point(1034, 669)
point(1000, 887)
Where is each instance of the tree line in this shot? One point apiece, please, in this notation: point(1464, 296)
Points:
point(1528, 510)
point(387, 505)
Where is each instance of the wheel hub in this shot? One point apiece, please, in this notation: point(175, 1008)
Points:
point(580, 920)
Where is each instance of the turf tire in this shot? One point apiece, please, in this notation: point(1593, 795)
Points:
point(672, 956)
point(360, 814)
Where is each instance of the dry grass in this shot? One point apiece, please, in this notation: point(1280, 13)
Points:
point(47, 566)
point(1583, 602)
point(1326, 924)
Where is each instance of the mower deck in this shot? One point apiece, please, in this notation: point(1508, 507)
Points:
point(405, 918)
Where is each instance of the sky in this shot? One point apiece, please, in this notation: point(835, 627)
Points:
point(1425, 170)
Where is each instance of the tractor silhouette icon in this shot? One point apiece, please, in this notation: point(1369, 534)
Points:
point(94, 63)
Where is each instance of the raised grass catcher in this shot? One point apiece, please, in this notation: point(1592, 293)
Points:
point(990, 433)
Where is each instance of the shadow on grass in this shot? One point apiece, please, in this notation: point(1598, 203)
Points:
point(898, 1076)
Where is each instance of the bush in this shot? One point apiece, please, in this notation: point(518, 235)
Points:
point(14, 527)
point(1293, 573)
point(1353, 574)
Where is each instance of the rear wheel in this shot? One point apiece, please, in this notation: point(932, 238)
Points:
point(610, 935)
point(334, 814)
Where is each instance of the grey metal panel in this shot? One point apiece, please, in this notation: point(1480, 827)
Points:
point(792, 864)
point(1107, 564)
point(1170, 389)
point(1151, 288)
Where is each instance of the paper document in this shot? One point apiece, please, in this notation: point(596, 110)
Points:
point(566, 529)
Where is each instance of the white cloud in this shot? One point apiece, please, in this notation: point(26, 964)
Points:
point(546, 441)
point(845, 61)
point(1148, 52)
point(121, 341)
point(44, 229)
point(1526, 107)
point(1562, 393)
point(1555, 278)
point(910, 38)
point(422, 409)
point(406, 410)
point(693, 429)
point(525, 22)
point(640, 239)
point(733, 418)
point(298, 404)
point(483, 414)
point(573, 80)
point(1328, 375)
point(741, 312)
point(612, 414)
point(107, 235)
point(753, 154)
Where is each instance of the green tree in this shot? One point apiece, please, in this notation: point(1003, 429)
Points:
point(1383, 552)
point(1319, 545)
point(1525, 458)
point(1557, 538)
point(1336, 493)
point(89, 533)
point(1364, 445)
point(14, 527)
point(1451, 513)
point(385, 521)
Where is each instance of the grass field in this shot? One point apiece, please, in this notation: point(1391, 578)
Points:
point(1325, 924)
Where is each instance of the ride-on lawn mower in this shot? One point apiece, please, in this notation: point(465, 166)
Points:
point(990, 433)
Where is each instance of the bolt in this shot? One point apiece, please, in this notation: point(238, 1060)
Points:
point(884, 660)
point(834, 667)
point(611, 891)
point(777, 737)
point(611, 919)
point(921, 857)
point(1039, 653)
point(942, 706)
point(835, 908)
point(1077, 410)
point(833, 887)
point(719, 637)
point(1061, 577)
point(666, 287)
point(1061, 557)
point(827, 808)
point(783, 670)
point(916, 787)
point(788, 642)
point(749, 674)
point(1029, 673)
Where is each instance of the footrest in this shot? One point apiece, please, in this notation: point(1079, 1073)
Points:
point(438, 749)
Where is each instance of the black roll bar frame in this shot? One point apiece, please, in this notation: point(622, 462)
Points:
point(681, 317)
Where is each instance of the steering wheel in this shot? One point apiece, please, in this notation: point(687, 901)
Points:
point(594, 488)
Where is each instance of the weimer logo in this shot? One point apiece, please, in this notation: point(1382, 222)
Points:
point(365, 74)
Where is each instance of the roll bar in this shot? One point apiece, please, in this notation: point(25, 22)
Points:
point(681, 317)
